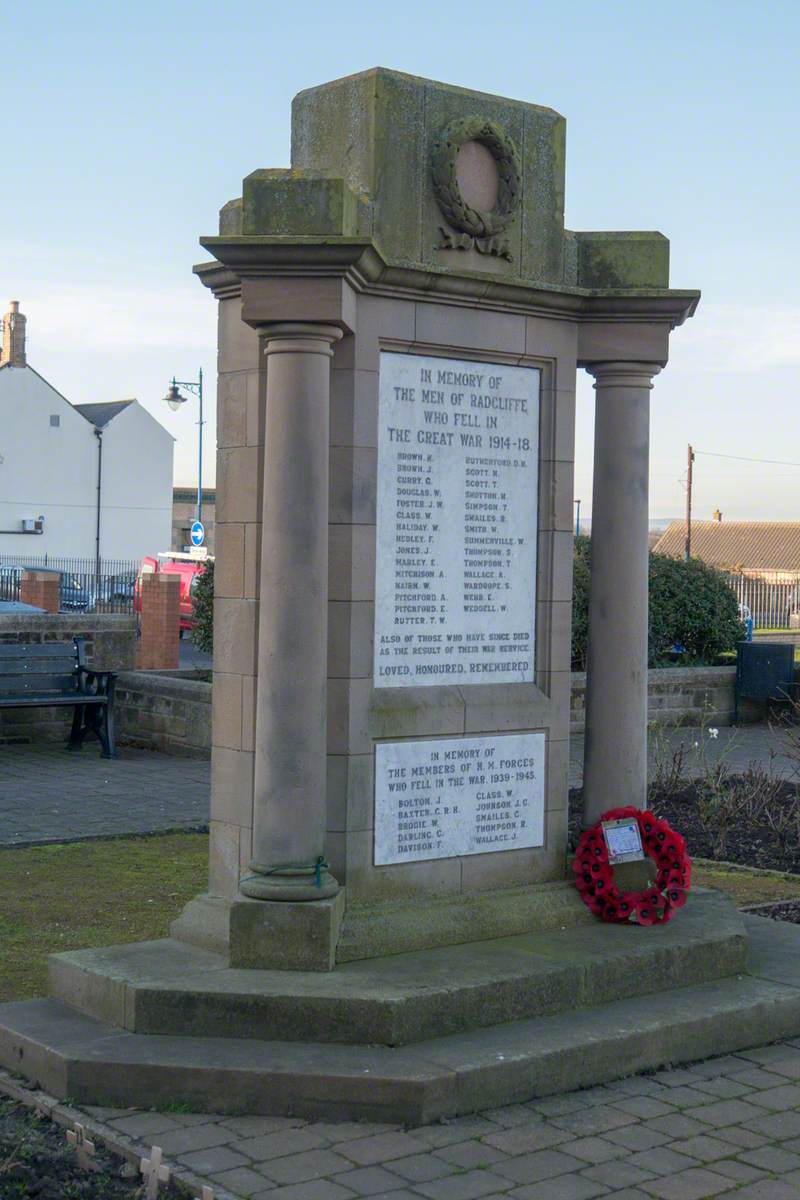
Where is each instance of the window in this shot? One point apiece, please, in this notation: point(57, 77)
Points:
point(55, 421)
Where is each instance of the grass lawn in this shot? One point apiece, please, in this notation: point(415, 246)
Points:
point(100, 893)
point(95, 893)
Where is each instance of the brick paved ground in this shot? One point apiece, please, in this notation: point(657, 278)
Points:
point(48, 794)
point(728, 1125)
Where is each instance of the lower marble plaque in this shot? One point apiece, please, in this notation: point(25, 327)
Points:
point(450, 797)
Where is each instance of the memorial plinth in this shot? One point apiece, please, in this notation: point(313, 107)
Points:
point(401, 317)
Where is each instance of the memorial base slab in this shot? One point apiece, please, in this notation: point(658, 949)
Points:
point(281, 935)
point(94, 1060)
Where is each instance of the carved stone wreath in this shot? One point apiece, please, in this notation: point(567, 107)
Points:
point(478, 229)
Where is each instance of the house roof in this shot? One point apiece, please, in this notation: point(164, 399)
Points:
point(100, 414)
point(754, 545)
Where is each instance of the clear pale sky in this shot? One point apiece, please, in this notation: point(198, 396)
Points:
point(126, 127)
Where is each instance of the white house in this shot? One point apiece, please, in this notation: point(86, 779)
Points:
point(77, 480)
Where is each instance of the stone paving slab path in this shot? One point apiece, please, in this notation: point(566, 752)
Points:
point(48, 794)
point(726, 1126)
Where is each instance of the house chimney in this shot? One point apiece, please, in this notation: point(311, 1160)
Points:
point(717, 516)
point(13, 350)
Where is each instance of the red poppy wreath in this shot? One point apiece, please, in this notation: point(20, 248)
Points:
point(594, 874)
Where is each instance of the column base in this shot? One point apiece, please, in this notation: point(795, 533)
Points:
point(287, 886)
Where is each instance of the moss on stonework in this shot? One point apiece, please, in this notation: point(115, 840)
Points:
point(300, 203)
point(622, 260)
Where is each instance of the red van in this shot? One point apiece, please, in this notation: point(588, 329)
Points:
point(188, 567)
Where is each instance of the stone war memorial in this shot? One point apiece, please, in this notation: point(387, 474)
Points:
point(391, 929)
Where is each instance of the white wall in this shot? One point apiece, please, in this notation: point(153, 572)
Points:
point(45, 471)
point(52, 472)
point(136, 515)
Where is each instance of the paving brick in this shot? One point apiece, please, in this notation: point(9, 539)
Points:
point(783, 1059)
point(757, 1077)
point(347, 1131)
point(620, 1174)
point(636, 1085)
point(777, 1126)
point(662, 1161)
point(678, 1125)
point(734, 1169)
point(470, 1154)
point(724, 1065)
point(738, 1135)
point(539, 1136)
point(594, 1149)
point(445, 1133)
point(310, 1164)
point(693, 1184)
point(724, 1112)
point(314, 1189)
point(644, 1107)
point(775, 1159)
point(723, 1087)
point(674, 1077)
point(381, 1148)
point(510, 1116)
point(565, 1187)
point(778, 1098)
point(278, 1145)
point(420, 1168)
point(371, 1181)
point(767, 1189)
point(469, 1186)
point(594, 1120)
point(247, 1127)
point(243, 1181)
point(704, 1148)
point(146, 1124)
point(532, 1168)
point(636, 1137)
point(196, 1137)
point(558, 1106)
point(212, 1161)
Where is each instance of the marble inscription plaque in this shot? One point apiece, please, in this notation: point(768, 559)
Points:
point(458, 468)
point(449, 797)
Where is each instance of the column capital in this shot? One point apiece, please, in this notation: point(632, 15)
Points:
point(299, 337)
point(623, 374)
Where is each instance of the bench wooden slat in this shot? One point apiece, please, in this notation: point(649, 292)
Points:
point(12, 685)
point(60, 664)
point(43, 650)
point(53, 699)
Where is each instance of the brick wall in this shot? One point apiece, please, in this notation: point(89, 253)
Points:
point(158, 646)
point(163, 712)
point(42, 589)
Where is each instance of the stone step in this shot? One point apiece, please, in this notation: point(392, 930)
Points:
point(169, 987)
point(70, 1054)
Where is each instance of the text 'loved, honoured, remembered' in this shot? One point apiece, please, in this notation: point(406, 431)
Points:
point(458, 476)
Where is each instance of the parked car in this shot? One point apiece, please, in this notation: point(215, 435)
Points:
point(74, 593)
point(188, 568)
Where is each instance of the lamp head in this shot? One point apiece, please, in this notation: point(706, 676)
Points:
point(173, 397)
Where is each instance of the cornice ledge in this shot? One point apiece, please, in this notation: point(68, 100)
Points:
point(361, 262)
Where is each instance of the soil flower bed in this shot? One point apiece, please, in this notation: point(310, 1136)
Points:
point(36, 1162)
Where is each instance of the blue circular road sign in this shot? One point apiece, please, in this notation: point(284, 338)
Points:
point(197, 533)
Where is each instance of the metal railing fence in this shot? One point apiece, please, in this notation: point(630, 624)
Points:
point(772, 596)
point(86, 585)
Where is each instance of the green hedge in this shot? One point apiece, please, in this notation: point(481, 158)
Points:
point(203, 610)
point(690, 603)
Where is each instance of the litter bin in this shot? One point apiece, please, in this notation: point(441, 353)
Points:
point(764, 671)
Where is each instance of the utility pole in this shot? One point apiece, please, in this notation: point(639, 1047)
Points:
point(687, 553)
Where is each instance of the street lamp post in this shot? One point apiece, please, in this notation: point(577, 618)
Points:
point(174, 399)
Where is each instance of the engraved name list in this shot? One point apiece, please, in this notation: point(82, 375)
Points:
point(456, 523)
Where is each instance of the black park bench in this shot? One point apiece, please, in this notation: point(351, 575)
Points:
point(55, 674)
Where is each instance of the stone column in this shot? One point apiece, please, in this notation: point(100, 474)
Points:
point(290, 750)
point(615, 766)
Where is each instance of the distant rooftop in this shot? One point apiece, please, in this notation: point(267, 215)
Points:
point(104, 412)
point(751, 545)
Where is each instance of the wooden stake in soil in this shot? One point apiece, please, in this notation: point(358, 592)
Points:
point(154, 1172)
point(84, 1149)
point(207, 1193)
